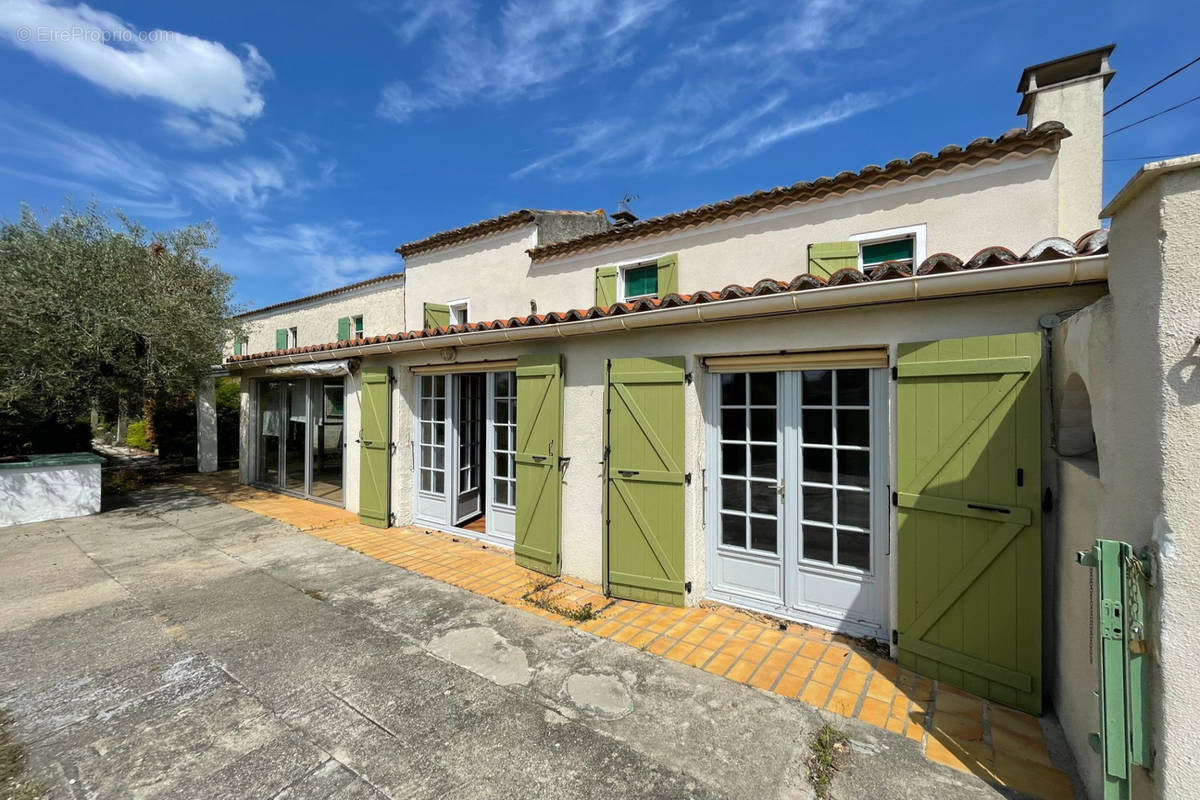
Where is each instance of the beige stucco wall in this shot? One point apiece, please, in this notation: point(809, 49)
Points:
point(1138, 355)
point(491, 273)
point(316, 321)
point(1012, 203)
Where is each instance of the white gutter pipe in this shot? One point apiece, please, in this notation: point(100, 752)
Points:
point(1032, 275)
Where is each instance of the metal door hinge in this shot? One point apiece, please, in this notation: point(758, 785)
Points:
point(687, 378)
point(895, 636)
point(896, 499)
point(687, 478)
point(895, 373)
point(687, 586)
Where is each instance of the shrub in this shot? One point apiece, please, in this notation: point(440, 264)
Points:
point(138, 436)
point(175, 426)
point(229, 407)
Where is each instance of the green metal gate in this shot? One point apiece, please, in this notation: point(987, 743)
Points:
point(969, 537)
point(375, 447)
point(644, 498)
point(538, 458)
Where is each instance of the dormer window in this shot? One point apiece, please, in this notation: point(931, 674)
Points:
point(905, 246)
point(638, 281)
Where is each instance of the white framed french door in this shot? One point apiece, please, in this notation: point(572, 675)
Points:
point(464, 451)
point(468, 445)
point(797, 503)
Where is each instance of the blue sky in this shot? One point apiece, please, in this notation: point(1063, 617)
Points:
point(319, 136)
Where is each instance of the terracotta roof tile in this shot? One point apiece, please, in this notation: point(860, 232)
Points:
point(1092, 243)
point(1016, 141)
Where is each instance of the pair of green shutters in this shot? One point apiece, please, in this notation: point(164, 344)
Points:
point(644, 495)
point(667, 274)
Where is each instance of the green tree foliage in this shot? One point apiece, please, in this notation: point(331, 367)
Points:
point(90, 314)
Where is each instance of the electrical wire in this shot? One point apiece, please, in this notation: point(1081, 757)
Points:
point(1147, 158)
point(1152, 116)
point(1164, 79)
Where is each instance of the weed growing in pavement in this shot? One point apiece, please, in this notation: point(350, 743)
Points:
point(536, 595)
point(12, 765)
point(830, 752)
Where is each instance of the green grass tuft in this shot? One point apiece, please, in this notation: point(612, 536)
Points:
point(830, 752)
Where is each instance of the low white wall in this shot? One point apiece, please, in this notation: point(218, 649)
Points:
point(36, 493)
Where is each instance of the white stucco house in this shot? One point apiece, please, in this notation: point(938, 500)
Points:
point(865, 402)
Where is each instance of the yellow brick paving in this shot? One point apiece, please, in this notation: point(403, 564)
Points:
point(814, 666)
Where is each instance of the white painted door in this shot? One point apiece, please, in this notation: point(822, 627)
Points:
point(797, 495)
point(468, 445)
point(501, 462)
point(432, 495)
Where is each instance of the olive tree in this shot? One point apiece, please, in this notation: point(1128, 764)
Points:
point(92, 314)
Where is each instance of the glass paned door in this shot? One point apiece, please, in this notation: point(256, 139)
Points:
point(431, 432)
point(797, 501)
point(502, 443)
point(270, 431)
point(469, 433)
point(296, 443)
point(327, 442)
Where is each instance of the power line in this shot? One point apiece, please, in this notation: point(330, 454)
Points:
point(1152, 116)
point(1151, 86)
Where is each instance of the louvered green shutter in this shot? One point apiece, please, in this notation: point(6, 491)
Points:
point(436, 315)
point(668, 275)
point(606, 286)
point(826, 258)
point(645, 440)
point(969, 556)
point(539, 446)
point(374, 450)
point(237, 345)
point(281, 339)
point(343, 328)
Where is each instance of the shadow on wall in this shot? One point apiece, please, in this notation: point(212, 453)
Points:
point(1184, 376)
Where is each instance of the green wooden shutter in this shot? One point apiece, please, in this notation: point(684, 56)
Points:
point(374, 447)
point(281, 339)
point(539, 447)
point(606, 286)
point(237, 345)
point(645, 468)
point(343, 328)
point(668, 275)
point(826, 258)
point(969, 537)
point(437, 315)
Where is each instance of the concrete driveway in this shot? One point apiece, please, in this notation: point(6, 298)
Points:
point(181, 647)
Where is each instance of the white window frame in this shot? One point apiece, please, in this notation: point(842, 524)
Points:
point(457, 308)
point(245, 343)
point(357, 331)
point(622, 269)
point(293, 334)
point(914, 232)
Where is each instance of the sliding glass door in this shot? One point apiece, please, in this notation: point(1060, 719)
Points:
point(301, 437)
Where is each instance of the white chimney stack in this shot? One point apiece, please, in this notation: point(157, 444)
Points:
point(1070, 90)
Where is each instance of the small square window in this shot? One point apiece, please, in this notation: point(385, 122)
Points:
point(459, 312)
point(898, 250)
point(357, 324)
point(641, 281)
point(293, 338)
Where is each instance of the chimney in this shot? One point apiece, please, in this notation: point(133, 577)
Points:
point(1070, 90)
point(623, 216)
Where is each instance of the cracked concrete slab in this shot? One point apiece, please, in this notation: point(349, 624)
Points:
point(219, 653)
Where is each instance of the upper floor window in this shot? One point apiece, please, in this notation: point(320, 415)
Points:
point(356, 326)
point(638, 281)
point(293, 337)
point(905, 246)
point(243, 347)
point(459, 312)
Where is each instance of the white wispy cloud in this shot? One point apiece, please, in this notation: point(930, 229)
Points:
point(727, 89)
point(250, 182)
point(326, 255)
point(528, 51)
point(211, 90)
